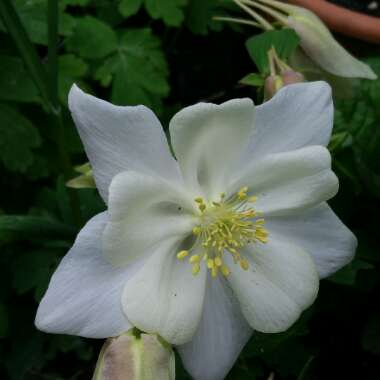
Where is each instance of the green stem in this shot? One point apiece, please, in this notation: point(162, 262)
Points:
point(26, 49)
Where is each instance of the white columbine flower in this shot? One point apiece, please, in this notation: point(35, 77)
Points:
point(231, 236)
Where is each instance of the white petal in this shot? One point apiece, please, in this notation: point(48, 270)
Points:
point(164, 297)
point(144, 211)
point(297, 116)
point(207, 140)
point(280, 283)
point(120, 138)
point(221, 335)
point(84, 294)
point(319, 232)
point(287, 182)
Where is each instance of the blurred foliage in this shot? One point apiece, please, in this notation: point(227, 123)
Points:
point(166, 54)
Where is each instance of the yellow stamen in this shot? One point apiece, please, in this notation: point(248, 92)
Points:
point(194, 259)
point(210, 263)
point(225, 226)
point(181, 255)
point(197, 230)
point(196, 269)
point(244, 264)
point(252, 199)
point(218, 261)
point(242, 193)
point(225, 271)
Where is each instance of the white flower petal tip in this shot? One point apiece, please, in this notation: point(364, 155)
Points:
point(120, 138)
point(83, 297)
point(298, 115)
point(321, 233)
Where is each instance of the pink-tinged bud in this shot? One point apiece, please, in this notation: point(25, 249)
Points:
point(274, 83)
point(130, 357)
point(290, 77)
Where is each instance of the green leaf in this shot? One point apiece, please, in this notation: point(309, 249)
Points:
point(12, 75)
point(22, 227)
point(170, 11)
point(18, 138)
point(71, 70)
point(92, 39)
point(348, 274)
point(130, 7)
point(284, 41)
point(32, 271)
point(253, 79)
point(199, 15)
point(79, 3)
point(33, 15)
point(138, 70)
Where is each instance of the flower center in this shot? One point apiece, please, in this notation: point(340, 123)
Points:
point(225, 227)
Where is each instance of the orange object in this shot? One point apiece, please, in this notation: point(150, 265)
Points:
point(343, 20)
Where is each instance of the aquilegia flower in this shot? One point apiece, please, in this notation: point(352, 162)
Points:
point(231, 236)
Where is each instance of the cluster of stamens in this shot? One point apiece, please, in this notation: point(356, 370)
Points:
point(226, 226)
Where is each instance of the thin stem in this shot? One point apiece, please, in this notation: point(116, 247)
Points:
point(26, 49)
point(266, 25)
point(280, 64)
point(277, 4)
point(272, 68)
point(276, 15)
point(238, 21)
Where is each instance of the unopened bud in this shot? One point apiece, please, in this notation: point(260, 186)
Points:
point(135, 357)
point(290, 77)
point(85, 180)
point(274, 83)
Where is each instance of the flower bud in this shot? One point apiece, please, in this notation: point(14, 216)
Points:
point(131, 357)
point(85, 180)
point(290, 77)
point(274, 83)
point(319, 44)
